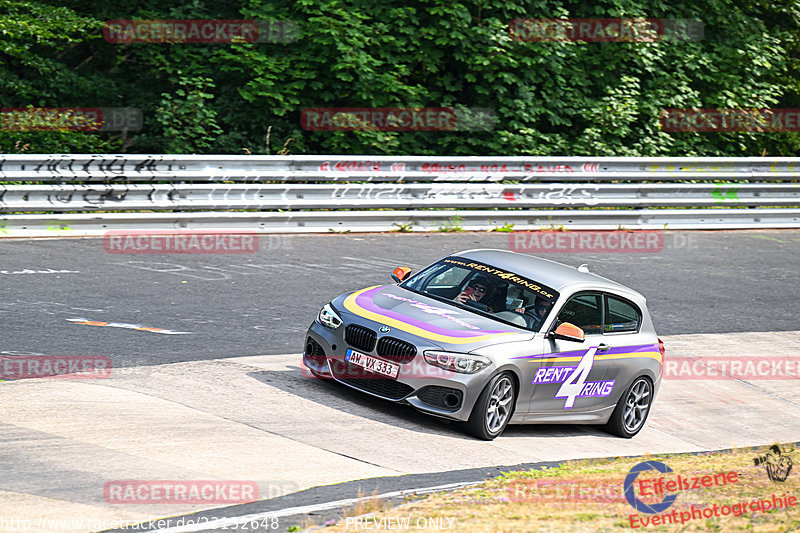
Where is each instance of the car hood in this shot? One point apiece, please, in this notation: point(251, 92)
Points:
point(440, 323)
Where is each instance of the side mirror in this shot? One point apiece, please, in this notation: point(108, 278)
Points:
point(568, 332)
point(400, 274)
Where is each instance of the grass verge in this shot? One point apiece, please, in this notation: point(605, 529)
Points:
point(714, 491)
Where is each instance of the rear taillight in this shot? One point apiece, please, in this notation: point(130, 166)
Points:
point(663, 355)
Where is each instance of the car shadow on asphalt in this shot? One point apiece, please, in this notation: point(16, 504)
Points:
point(333, 395)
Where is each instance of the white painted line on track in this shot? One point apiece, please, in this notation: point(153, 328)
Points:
point(221, 523)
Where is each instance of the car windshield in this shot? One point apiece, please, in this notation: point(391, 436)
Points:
point(486, 290)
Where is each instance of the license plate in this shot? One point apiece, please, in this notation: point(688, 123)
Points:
point(372, 364)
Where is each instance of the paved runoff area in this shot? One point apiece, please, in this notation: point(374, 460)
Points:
point(200, 401)
point(69, 445)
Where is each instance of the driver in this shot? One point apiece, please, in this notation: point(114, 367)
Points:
point(541, 308)
point(476, 290)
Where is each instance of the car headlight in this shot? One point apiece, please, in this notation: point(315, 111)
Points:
point(457, 362)
point(328, 317)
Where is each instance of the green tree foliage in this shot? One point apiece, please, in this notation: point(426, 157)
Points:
point(44, 50)
point(550, 98)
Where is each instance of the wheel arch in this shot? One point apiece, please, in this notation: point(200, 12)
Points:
point(514, 372)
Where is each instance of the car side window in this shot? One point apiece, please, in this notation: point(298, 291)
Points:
point(621, 316)
point(585, 311)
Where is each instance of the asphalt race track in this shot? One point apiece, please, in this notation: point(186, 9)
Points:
point(214, 390)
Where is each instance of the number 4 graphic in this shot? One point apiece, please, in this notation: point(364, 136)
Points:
point(575, 382)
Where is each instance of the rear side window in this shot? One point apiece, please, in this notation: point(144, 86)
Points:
point(585, 311)
point(621, 316)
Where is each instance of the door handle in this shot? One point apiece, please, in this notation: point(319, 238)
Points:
point(603, 347)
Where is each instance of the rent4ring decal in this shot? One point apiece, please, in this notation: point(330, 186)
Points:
point(573, 380)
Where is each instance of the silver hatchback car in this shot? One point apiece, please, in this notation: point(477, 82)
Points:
point(493, 337)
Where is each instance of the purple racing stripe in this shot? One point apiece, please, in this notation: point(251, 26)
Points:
point(575, 353)
point(365, 300)
point(632, 349)
point(610, 351)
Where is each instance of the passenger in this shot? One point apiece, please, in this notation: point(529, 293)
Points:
point(515, 300)
point(476, 290)
point(539, 310)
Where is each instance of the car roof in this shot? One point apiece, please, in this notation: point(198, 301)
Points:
point(555, 275)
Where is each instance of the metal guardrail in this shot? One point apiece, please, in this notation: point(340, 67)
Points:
point(365, 221)
point(116, 197)
point(391, 193)
point(137, 168)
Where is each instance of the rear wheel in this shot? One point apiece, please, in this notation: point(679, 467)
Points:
point(494, 408)
point(632, 409)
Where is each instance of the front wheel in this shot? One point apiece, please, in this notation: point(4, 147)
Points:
point(631, 412)
point(493, 409)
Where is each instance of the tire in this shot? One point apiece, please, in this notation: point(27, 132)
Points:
point(632, 409)
point(500, 390)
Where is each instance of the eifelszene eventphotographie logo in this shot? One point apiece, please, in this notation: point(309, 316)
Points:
point(777, 465)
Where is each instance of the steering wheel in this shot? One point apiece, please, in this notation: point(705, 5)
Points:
point(534, 319)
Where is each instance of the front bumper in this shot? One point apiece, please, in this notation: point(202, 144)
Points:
point(425, 387)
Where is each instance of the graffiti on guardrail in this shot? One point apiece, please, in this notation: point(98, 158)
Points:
point(519, 184)
point(74, 166)
point(437, 167)
point(95, 198)
point(525, 168)
point(724, 193)
point(350, 166)
point(556, 194)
